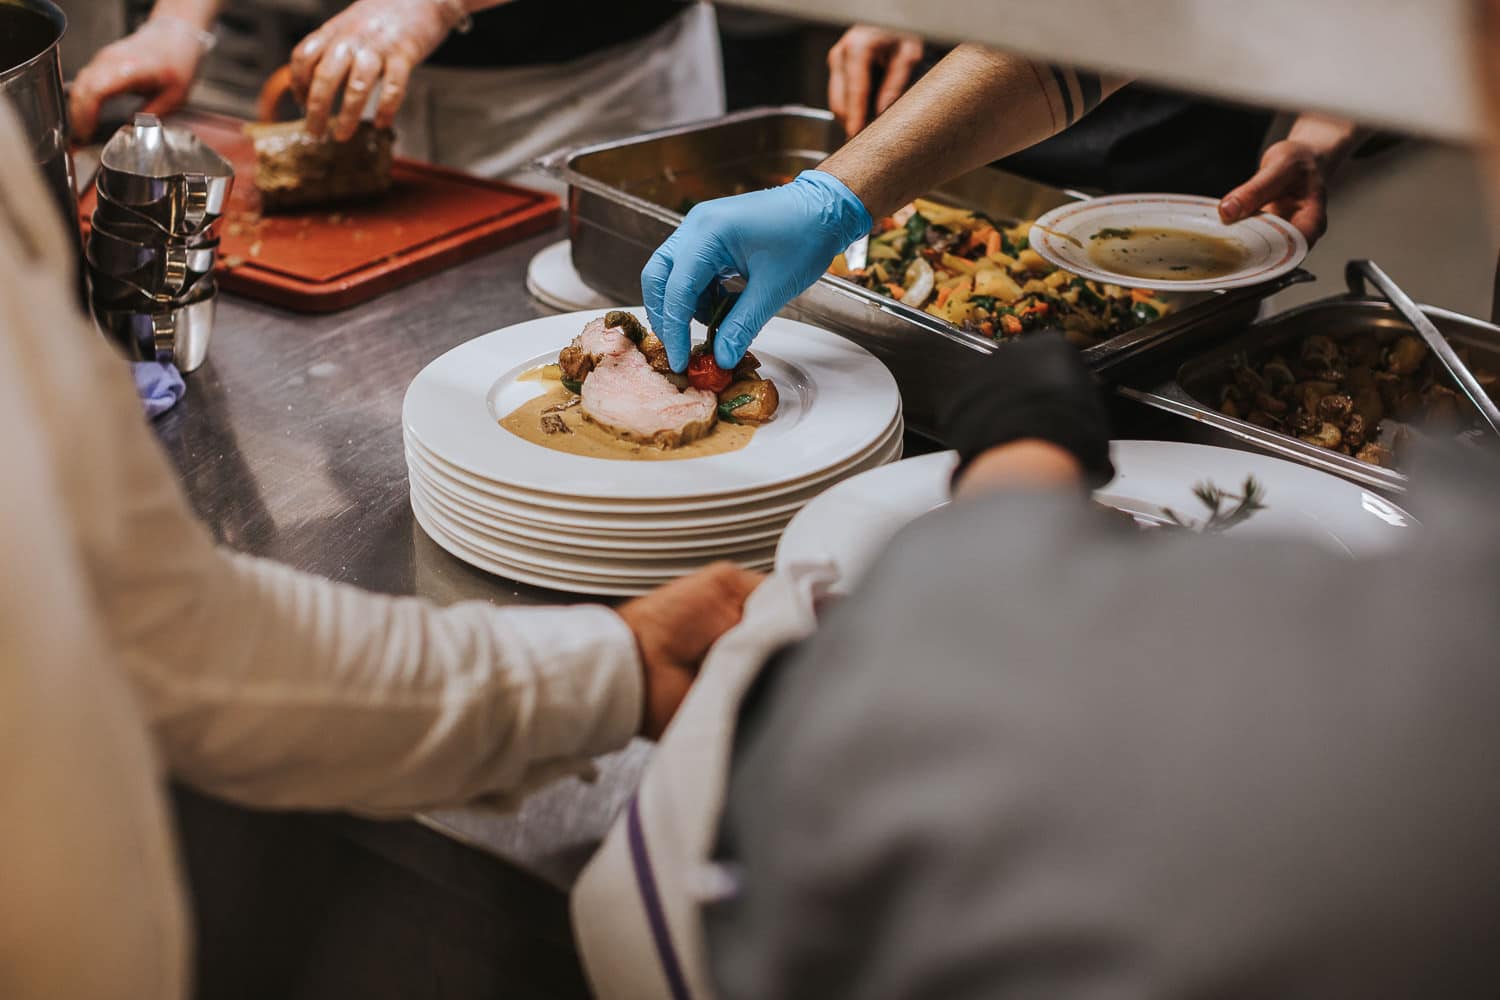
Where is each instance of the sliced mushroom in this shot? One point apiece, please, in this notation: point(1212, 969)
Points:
point(1326, 436)
point(1335, 407)
point(1406, 355)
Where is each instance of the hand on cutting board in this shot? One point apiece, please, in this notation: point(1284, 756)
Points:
point(158, 60)
point(675, 626)
point(779, 240)
point(1034, 390)
point(369, 43)
point(1293, 176)
point(853, 63)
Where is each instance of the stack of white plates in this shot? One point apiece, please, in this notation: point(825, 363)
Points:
point(611, 527)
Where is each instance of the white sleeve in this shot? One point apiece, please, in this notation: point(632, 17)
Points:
point(277, 688)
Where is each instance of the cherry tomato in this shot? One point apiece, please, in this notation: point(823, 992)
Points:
point(703, 372)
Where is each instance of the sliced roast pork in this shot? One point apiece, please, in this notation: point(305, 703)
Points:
point(624, 394)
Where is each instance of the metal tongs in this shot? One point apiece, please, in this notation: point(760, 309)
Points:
point(1357, 272)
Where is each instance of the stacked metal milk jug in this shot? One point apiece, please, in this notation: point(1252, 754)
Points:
point(151, 245)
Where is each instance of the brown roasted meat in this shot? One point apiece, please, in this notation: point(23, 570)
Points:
point(624, 394)
point(293, 169)
point(1347, 395)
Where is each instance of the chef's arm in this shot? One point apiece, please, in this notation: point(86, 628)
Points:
point(370, 47)
point(276, 688)
point(1294, 173)
point(976, 106)
point(159, 61)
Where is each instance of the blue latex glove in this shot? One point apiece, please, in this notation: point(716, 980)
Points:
point(780, 240)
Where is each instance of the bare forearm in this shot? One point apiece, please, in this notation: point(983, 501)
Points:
point(975, 106)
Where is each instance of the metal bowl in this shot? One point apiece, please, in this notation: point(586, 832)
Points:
point(178, 335)
point(123, 293)
point(168, 175)
point(166, 268)
point(161, 216)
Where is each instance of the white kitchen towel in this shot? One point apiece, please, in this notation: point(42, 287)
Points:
point(636, 907)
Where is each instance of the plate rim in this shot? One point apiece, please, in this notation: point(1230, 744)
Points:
point(1045, 243)
point(466, 375)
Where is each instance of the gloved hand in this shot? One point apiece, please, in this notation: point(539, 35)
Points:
point(1032, 388)
point(159, 60)
point(780, 240)
point(369, 42)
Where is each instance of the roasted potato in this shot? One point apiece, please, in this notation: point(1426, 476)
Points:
point(749, 400)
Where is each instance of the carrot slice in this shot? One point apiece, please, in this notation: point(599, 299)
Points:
point(1141, 295)
point(943, 295)
point(894, 291)
point(992, 243)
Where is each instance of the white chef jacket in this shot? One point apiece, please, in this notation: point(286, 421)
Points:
point(131, 646)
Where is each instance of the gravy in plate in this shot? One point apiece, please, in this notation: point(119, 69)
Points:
point(586, 438)
point(1160, 253)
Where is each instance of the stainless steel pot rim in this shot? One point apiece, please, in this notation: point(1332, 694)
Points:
point(59, 20)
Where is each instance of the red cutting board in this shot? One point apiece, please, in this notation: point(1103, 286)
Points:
point(334, 257)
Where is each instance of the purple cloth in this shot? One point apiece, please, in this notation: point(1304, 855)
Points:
point(160, 386)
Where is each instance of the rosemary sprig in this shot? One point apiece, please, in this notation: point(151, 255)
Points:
point(1243, 506)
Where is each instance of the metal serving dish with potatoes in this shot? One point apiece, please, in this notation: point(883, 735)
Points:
point(1352, 324)
point(626, 197)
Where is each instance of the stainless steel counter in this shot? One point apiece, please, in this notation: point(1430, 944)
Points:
point(289, 445)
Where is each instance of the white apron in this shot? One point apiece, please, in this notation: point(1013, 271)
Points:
point(495, 122)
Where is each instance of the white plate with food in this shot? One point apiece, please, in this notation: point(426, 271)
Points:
point(505, 491)
point(851, 523)
point(623, 429)
point(1166, 242)
point(630, 521)
point(553, 281)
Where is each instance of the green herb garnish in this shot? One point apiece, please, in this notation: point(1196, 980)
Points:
point(1112, 233)
point(1144, 312)
point(727, 408)
point(1245, 504)
point(916, 230)
point(572, 385)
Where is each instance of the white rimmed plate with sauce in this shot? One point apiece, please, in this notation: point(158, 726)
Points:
point(1166, 242)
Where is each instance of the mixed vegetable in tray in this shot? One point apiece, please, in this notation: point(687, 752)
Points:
point(983, 277)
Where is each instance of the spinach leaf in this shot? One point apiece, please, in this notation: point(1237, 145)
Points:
point(916, 230)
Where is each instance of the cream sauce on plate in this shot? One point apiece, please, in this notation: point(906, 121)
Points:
point(1161, 253)
point(586, 438)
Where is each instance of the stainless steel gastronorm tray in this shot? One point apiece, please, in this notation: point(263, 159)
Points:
point(626, 197)
point(1188, 392)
